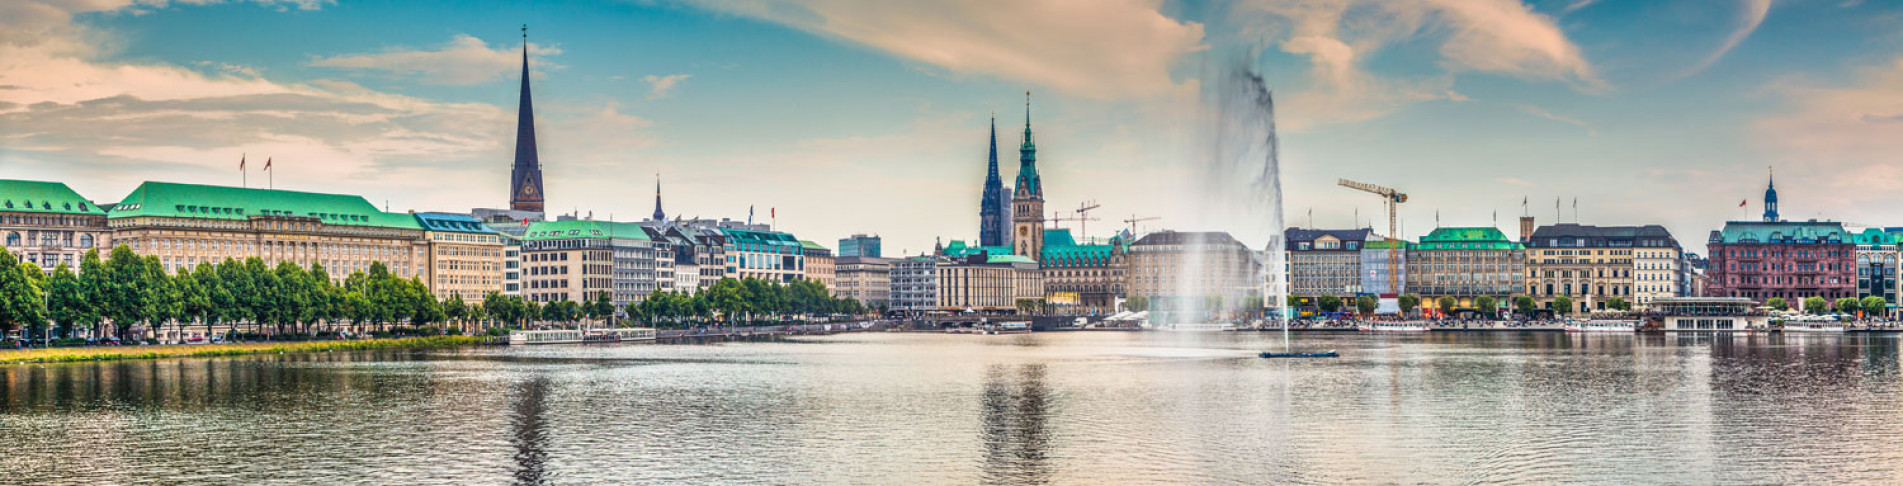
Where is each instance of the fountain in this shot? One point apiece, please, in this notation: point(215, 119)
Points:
point(1240, 182)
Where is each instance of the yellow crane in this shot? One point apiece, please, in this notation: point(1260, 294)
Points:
point(1391, 198)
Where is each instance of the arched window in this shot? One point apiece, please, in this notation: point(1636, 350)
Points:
point(13, 239)
point(85, 241)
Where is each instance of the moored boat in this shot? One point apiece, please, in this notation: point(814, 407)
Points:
point(551, 336)
point(1392, 326)
point(1324, 354)
point(1810, 327)
point(1602, 326)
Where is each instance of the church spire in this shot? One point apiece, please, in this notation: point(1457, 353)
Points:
point(1028, 181)
point(525, 180)
point(658, 215)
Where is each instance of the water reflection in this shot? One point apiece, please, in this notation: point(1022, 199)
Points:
point(530, 427)
point(1016, 407)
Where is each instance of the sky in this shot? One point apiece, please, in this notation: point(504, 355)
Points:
point(871, 116)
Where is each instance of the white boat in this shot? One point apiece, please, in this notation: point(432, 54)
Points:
point(553, 336)
point(1392, 326)
point(1602, 326)
point(1009, 328)
point(620, 334)
point(1813, 327)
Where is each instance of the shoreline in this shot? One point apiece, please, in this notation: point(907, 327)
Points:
point(124, 353)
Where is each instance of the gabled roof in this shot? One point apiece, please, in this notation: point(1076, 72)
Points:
point(770, 238)
point(1573, 235)
point(173, 200)
point(1217, 238)
point(43, 197)
point(452, 222)
point(581, 228)
point(1058, 237)
point(1292, 236)
point(810, 245)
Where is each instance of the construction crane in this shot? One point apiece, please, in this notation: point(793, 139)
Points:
point(1134, 220)
point(1083, 215)
point(1057, 220)
point(1392, 198)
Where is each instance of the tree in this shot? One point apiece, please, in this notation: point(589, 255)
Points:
point(1447, 305)
point(1849, 305)
point(1618, 303)
point(66, 305)
point(1026, 306)
point(1875, 307)
point(602, 307)
point(1525, 306)
point(1487, 304)
point(1563, 305)
point(95, 280)
point(1777, 303)
point(1328, 303)
point(1365, 304)
point(21, 300)
point(1136, 303)
point(1409, 302)
point(1816, 305)
point(729, 297)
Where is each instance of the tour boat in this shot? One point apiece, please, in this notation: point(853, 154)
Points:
point(621, 334)
point(1198, 327)
point(1325, 354)
point(1392, 326)
point(553, 336)
point(1602, 326)
point(1010, 328)
point(1813, 327)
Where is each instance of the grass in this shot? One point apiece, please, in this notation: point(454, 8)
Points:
point(112, 353)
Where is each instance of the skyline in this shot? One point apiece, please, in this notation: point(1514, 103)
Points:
point(818, 108)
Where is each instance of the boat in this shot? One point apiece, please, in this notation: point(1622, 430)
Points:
point(1602, 326)
point(1198, 327)
point(1392, 326)
point(1009, 328)
point(1324, 354)
point(1809, 327)
point(620, 334)
point(552, 336)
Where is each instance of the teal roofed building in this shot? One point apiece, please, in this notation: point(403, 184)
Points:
point(188, 224)
point(1464, 263)
point(1083, 278)
point(767, 255)
point(48, 224)
point(576, 260)
point(465, 257)
point(1792, 260)
point(1877, 258)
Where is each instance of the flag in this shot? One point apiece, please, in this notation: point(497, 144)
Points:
point(749, 214)
point(267, 163)
point(773, 213)
point(240, 162)
point(1741, 203)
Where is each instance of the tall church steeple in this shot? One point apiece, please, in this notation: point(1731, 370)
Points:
point(658, 215)
point(993, 227)
point(1027, 199)
point(525, 180)
point(1770, 198)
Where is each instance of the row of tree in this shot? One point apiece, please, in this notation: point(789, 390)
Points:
point(1869, 306)
point(126, 291)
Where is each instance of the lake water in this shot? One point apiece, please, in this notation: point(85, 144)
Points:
point(1049, 408)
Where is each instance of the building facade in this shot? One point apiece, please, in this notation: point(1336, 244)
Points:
point(1465, 263)
point(1027, 198)
point(914, 285)
point(865, 279)
point(188, 224)
point(819, 263)
point(767, 255)
point(859, 246)
point(1876, 264)
point(463, 257)
point(1172, 264)
point(1086, 278)
point(986, 283)
point(576, 259)
point(1375, 267)
point(1325, 262)
point(1788, 260)
point(47, 224)
point(1593, 264)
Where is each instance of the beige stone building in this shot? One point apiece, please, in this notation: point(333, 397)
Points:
point(987, 283)
point(188, 224)
point(819, 264)
point(1171, 264)
point(1593, 264)
point(1465, 263)
point(465, 257)
point(866, 279)
point(47, 224)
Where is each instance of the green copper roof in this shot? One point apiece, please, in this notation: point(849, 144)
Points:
point(1482, 238)
point(1784, 232)
point(172, 200)
point(43, 197)
point(769, 238)
point(1378, 244)
point(810, 245)
point(451, 222)
point(1874, 237)
point(1058, 237)
point(1007, 259)
point(555, 230)
point(958, 249)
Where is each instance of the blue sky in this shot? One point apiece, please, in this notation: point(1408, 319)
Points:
point(870, 116)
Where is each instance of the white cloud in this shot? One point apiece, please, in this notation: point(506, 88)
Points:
point(1542, 113)
point(1750, 17)
point(465, 60)
point(1842, 136)
point(662, 86)
point(1099, 48)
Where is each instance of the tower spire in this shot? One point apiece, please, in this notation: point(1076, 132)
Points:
point(1770, 196)
point(994, 228)
point(658, 215)
point(525, 180)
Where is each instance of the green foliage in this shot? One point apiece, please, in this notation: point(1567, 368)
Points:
point(21, 301)
point(1487, 304)
point(1328, 303)
point(1447, 305)
point(1409, 302)
point(1365, 304)
point(1778, 303)
point(1816, 305)
point(1874, 306)
point(1849, 305)
point(1563, 305)
point(1618, 303)
point(1525, 305)
point(1136, 303)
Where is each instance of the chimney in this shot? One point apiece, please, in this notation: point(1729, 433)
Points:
point(1526, 229)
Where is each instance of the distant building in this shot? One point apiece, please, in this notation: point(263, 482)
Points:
point(986, 283)
point(1084, 278)
point(47, 224)
point(914, 283)
point(1193, 265)
point(1325, 262)
point(819, 263)
point(865, 279)
point(767, 255)
point(994, 225)
point(1876, 264)
point(525, 179)
point(1768, 259)
point(1593, 264)
point(1374, 267)
point(188, 224)
point(575, 260)
point(859, 246)
point(1465, 263)
point(464, 257)
point(1027, 202)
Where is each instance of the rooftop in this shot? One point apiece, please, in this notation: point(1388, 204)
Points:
point(452, 222)
point(173, 200)
point(43, 197)
point(1783, 232)
point(1469, 238)
point(582, 228)
point(1573, 235)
